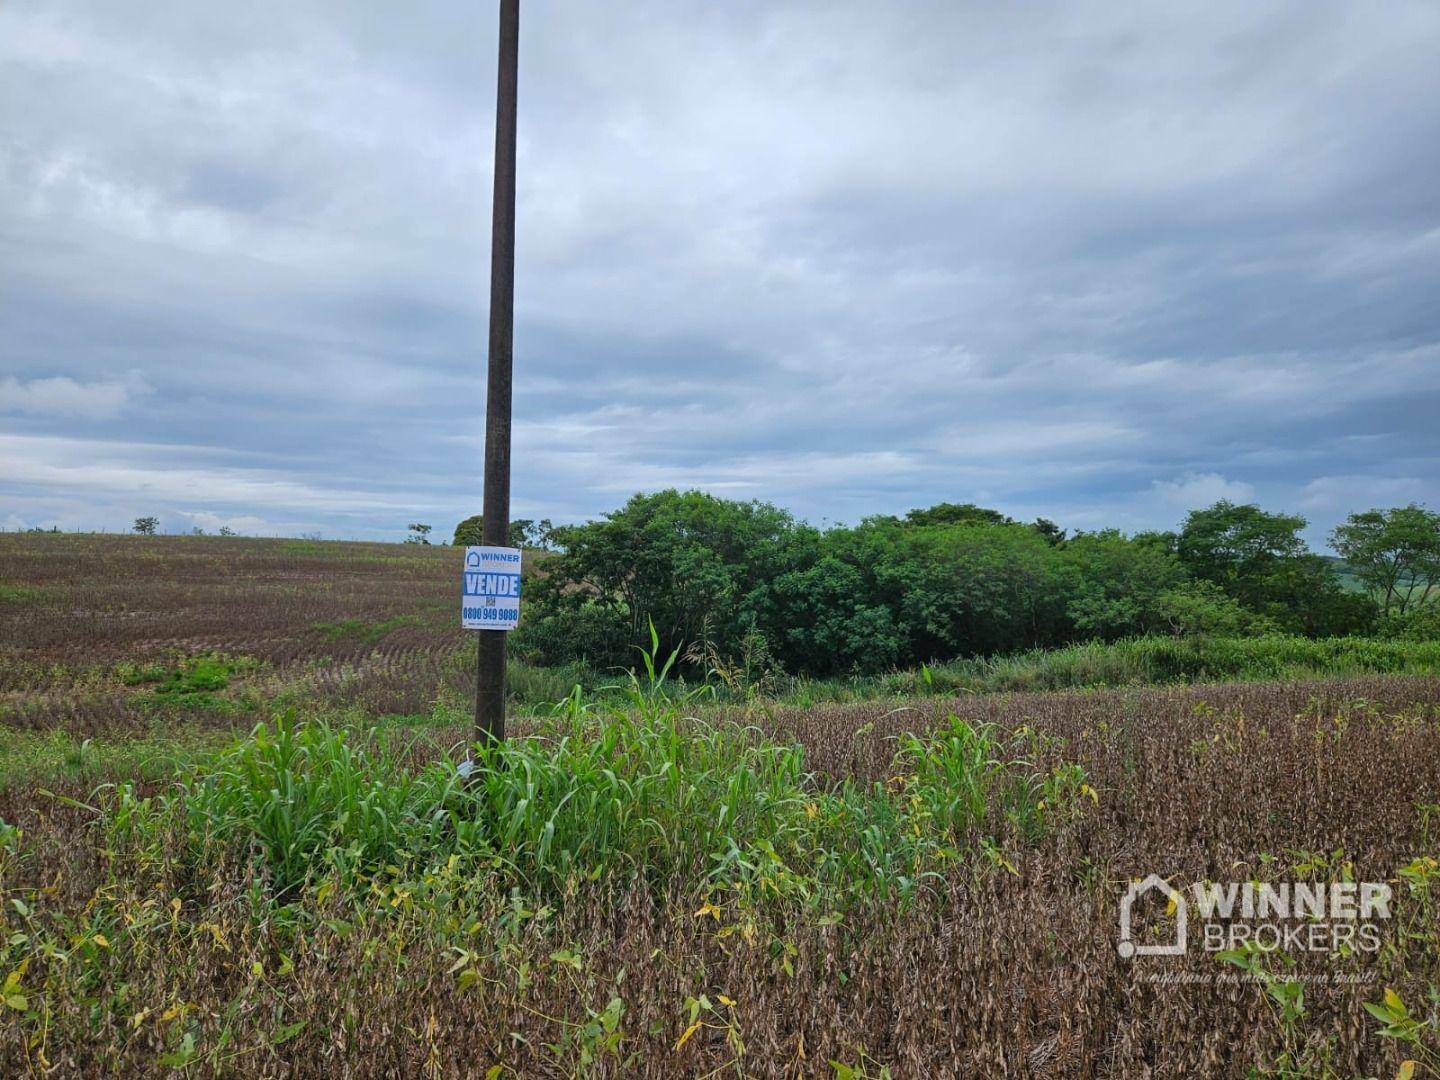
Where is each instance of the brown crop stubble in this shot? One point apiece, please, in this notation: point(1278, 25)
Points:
point(327, 622)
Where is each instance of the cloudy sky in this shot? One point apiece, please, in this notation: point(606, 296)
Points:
point(1072, 260)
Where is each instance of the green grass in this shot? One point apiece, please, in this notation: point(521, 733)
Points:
point(20, 594)
point(1146, 661)
point(359, 629)
point(307, 547)
point(29, 757)
point(1165, 660)
point(636, 794)
point(203, 673)
point(194, 682)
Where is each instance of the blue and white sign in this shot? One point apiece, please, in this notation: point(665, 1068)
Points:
point(490, 592)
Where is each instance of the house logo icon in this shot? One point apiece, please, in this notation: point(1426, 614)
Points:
point(1128, 947)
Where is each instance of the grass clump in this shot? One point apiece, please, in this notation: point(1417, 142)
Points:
point(20, 594)
point(201, 676)
point(302, 798)
point(360, 630)
point(306, 548)
point(28, 757)
point(650, 795)
point(195, 682)
point(642, 795)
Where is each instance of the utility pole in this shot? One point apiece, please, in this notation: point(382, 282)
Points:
point(495, 528)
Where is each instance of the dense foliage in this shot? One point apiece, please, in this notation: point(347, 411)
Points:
point(717, 576)
point(523, 532)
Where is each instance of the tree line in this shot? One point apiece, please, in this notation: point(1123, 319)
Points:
point(724, 578)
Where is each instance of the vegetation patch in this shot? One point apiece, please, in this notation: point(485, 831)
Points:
point(305, 548)
point(362, 631)
point(21, 594)
point(1144, 661)
point(28, 757)
point(200, 682)
point(636, 795)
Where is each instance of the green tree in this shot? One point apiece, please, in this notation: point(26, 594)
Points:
point(523, 533)
point(1118, 582)
point(1202, 607)
point(1396, 553)
point(146, 526)
point(826, 618)
point(419, 534)
point(967, 589)
point(1303, 595)
point(1236, 546)
point(693, 563)
point(1259, 558)
point(1054, 535)
point(956, 514)
point(591, 632)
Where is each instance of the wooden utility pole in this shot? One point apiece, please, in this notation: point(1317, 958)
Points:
point(490, 647)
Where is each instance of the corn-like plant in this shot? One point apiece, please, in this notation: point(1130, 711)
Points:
point(299, 795)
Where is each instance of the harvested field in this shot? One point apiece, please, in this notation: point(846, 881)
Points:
point(86, 619)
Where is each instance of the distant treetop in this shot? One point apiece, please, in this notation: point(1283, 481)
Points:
point(523, 533)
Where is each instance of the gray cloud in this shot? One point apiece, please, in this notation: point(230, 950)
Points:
point(1072, 260)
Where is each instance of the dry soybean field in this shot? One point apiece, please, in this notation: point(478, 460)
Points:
point(225, 851)
point(91, 627)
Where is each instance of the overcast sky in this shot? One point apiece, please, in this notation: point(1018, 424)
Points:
point(1075, 260)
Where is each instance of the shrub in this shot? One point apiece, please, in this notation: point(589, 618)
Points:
point(593, 634)
point(1420, 622)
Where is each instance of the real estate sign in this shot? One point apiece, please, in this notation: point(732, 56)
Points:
point(490, 590)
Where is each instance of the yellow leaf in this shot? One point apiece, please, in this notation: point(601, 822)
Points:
point(1407, 1070)
point(1392, 1001)
point(708, 908)
point(101, 940)
point(725, 1000)
point(171, 1013)
point(1170, 906)
point(696, 1026)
